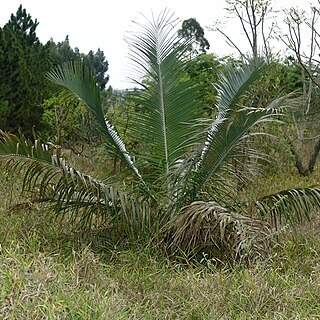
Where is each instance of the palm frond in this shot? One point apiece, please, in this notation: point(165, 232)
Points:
point(80, 80)
point(51, 180)
point(291, 205)
point(169, 102)
point(208, 228)
point(233, 85)
point(232, 126)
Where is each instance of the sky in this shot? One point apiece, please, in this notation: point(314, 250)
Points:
point(104, 24)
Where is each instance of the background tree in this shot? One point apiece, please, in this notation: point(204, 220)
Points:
point(97, 60)
point(252, 15)
point(205, 69)
point(305, 140)
point(62, 52)
point(65, 121)
point(23, 64)
point(191, 30)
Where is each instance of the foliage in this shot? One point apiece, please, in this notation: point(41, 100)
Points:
point(204, 69)
point(98, 62)
point(67, 123)
point(181, 159)
point(23, 64)
point(191, 30)
point(62, 52)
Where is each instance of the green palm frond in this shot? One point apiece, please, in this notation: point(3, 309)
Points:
point(12, 145)
point(170, 102)
point(289, 205)
point(80, 81)
point(51, 180)
point(233, 85)
point(232, 127)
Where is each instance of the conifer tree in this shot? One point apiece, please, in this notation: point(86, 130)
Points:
point(23, 64)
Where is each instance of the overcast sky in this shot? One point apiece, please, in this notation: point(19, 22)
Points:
point(103, 24)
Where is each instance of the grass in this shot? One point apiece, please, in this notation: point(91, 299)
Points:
point(46, 274)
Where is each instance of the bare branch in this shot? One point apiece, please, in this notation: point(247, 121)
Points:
point(232, 44)
point(252, 15)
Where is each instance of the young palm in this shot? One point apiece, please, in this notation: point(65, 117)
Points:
point(182, 178)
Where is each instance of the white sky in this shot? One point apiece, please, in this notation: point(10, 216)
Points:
point(103, 24)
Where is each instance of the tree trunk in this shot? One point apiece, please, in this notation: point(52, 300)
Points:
point(314, 155)
point(299, 165)
point(312, 162)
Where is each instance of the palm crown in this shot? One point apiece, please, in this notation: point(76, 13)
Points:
point(180, 179)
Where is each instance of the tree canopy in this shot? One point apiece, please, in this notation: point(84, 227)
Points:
point(23, 64)
point(191, 30)
point(62, 52)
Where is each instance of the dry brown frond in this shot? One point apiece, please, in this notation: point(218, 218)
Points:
point(207, 228)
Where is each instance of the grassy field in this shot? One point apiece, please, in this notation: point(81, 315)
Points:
point(47, 274)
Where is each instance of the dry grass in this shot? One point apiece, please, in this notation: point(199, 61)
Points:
point(132, 284)
point(46, 275)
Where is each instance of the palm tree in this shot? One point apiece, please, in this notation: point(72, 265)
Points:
point(180, 185)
